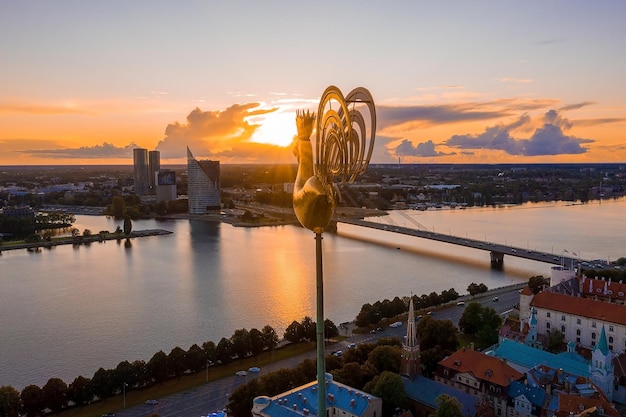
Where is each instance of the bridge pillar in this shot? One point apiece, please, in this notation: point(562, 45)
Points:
point(497, 259)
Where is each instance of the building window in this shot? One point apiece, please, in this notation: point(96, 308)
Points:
point(563, 317)
point(548, 314)
point(578, 340)
point(548, 325)
point(593, 343)
point(593, 336)
point(610, 339)
point(610, 328)
point(563, 329)
point(577, 321)
point(593, 324)
point(577, 332)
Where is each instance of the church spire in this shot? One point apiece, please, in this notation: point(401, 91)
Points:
point(410, 364)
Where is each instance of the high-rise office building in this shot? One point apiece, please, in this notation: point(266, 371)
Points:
point(154, 165)
point(203, 185)
point(165, 188)
point(140, 171)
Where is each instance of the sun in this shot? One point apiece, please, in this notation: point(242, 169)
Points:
point(277, 128)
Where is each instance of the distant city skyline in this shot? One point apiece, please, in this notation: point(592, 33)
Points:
point(453, 82)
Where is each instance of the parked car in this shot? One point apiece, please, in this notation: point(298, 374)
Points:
point(241, 373)
point(396, 324)
point(460, 303)
point(254, 369)
point(351, 345)
point(152, 402)
point(495, 298)
point(338, 353)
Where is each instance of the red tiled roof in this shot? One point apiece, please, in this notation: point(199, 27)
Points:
point(576, 403)
point(601, 288)
point(481, 366)
point(584, 307)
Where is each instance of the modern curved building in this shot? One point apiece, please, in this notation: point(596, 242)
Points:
point(203, 185)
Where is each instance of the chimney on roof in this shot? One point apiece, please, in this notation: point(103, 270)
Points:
point(353, 403)
point(295, 407)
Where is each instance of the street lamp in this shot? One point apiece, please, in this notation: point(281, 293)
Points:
point(124, 393)
point(207, 370)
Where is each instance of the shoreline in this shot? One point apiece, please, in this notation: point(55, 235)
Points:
point(80, 240)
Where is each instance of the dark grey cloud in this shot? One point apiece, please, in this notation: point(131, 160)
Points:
point(549, 139)
point(453, 113)
point(424, 149)
point(106, 150)
point(390, 116)
point(576, 106)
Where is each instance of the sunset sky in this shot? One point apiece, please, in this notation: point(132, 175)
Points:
point(84, 82)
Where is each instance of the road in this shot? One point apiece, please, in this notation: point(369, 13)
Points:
point(213, 396)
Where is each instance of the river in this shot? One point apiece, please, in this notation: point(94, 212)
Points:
point(67, 311)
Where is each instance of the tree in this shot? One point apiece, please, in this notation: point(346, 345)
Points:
point(489, 326)
point(385, 358)
point(240, 401)
point(255, 341)
point(9, 401)
point(294, 332)
point(102, 383)
point(437, 340)
point(469, 322)
point(367, 316)
point(240, 341)
point(141, 373)
point(79, 391)
point(536, 283)
point(210, 351)
point(309, 329)
point(270, 338)
point(128, 225)
point(124, 373)
point(224, 350)
point(390, 388)
point(177, 361)
point(55, 394)
point(354, 375)
point(118, 207)
point(474, 288)
point(32, 400)
point(330, 330)
point(482, 322)
point(195, 358)
point(157, 367)
point(447, 407)
point(555, 341)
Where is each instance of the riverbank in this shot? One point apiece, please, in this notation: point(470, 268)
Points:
point(268, 215)
point(79, 240)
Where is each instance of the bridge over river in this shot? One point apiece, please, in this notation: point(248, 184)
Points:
point(496, 251)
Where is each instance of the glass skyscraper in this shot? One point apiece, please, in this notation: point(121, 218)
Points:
point(140, 171)
point(203, 185)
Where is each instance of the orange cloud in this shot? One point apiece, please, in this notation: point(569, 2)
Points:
point(224, 133)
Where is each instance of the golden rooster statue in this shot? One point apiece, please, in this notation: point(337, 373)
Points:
point(343, 151)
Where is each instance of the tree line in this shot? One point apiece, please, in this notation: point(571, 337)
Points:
point(56, 395)
point(372, 314)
